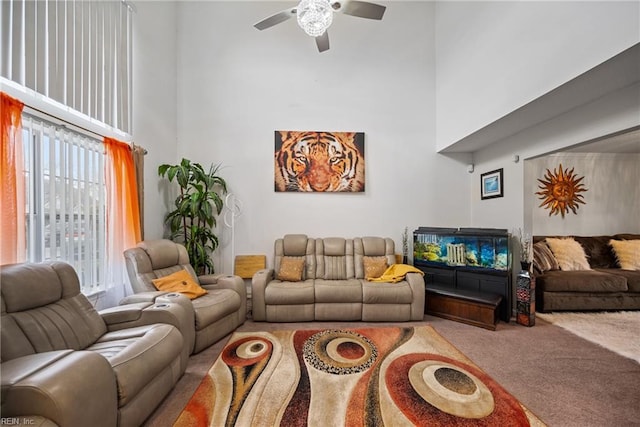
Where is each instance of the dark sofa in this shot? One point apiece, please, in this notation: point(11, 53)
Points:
point(604, 287)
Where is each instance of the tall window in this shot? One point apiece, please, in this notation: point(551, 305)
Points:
point(76, 52)
point(65, 197)
point(71, 61)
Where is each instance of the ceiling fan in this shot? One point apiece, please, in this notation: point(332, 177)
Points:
point(315, 16)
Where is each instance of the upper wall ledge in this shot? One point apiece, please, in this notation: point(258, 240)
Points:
point(614, 74)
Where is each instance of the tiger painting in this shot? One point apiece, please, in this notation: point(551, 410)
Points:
point(319, 161)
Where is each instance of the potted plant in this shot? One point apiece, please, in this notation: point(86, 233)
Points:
point(194, 218)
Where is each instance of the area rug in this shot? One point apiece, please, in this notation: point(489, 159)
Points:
point(616, 330)
point(352, 377)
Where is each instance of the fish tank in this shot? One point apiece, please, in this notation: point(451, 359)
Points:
point(472, 248)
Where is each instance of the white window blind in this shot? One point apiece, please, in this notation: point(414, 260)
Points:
point(65, 193)
point(76, 52)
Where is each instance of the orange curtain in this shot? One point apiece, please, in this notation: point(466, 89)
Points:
point(12, 202)
point(123, 215)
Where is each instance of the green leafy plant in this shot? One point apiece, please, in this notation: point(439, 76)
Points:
point(194, 218)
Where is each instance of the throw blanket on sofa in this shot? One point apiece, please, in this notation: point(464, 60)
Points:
point(395, 273)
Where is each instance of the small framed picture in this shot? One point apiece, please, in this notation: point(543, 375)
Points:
point(491, 184)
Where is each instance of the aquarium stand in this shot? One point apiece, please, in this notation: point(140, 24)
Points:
point(473, 263)
point(473, 308)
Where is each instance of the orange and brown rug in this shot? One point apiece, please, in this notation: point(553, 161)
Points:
point(349, 377)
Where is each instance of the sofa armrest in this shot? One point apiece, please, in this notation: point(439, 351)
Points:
point(54, 385)
point(236, 284)
point(172, 309)
point(209, 279)
point(416, 282)
point(123, 313)
point(164, 310)
point(258, 285)
point(142, 297)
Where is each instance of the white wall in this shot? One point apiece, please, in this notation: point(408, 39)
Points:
point(494, 57)
point(218, 90)
point(612, 113)
point(612, 199)
point(154, 100)
point(236, 85)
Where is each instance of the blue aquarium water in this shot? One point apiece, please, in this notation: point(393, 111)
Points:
point(473, 248)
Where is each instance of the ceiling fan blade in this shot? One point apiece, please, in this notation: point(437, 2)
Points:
point(361, 9)
point(323, 42)
point(275, 19)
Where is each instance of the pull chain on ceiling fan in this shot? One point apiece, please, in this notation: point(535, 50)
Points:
point(315, 16)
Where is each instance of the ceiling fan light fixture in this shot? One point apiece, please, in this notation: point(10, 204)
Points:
point(314, 16)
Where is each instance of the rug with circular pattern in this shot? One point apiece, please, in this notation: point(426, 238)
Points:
point(353, 377)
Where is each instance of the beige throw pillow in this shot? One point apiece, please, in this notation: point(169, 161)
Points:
point(569, 254)
point(627, 253)
point(291, 269)
point(374, 266)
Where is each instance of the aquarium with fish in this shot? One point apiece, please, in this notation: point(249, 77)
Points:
point(473, 248)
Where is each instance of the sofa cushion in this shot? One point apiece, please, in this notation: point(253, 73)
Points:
point(569, 254)
point(30, 286)
point(163, 253)
point(386, 293)
point(334, 246)
point(288, 293)
point(294, 244)
point(581, 281)
point(291, 269)
point(627, 253)
point(543, 259)
point(212, 307)
point(181, 282)
point(338, 291)
point(138, 355)
point(374, 266)
point(633, 277)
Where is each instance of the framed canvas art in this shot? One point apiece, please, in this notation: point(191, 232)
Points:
point(491, 184)
point(323, 162)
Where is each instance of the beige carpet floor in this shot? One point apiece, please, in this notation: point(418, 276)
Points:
point(563, 379)
point(617, 331)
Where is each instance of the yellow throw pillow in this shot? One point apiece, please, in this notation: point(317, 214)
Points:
point(627, 253)
point(374, 266)
point(291, 269)
point(569, 254)
point(180, 281)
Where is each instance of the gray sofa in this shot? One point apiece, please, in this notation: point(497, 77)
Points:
point(65, 364)
point(215, 314)
point(333, 286)
point(605, 286)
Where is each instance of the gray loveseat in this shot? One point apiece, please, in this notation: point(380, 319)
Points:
point(333, 285)
point(66, 364)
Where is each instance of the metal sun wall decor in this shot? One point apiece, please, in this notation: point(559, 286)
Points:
point(560, 191)
point(308, 161)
